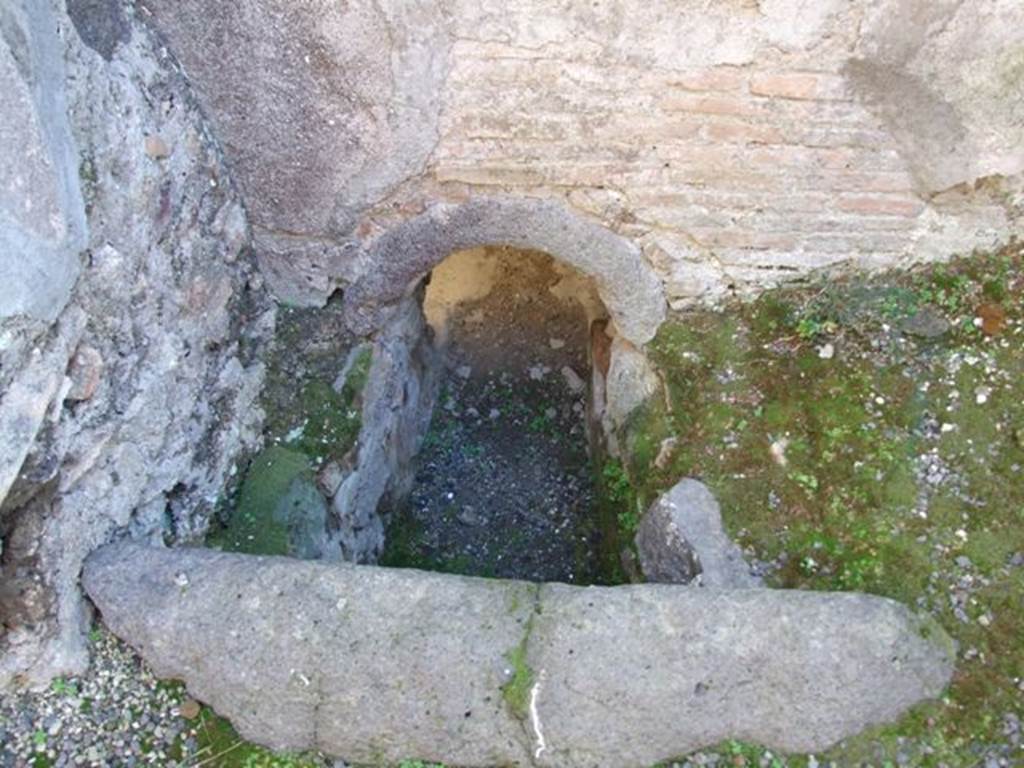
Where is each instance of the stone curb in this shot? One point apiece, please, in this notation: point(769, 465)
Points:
point(377, 665)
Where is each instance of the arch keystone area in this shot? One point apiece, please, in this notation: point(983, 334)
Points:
point(405, 254)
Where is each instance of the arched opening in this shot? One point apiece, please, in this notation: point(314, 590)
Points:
point(396, 262)
point(380, 444)
point(503, 482)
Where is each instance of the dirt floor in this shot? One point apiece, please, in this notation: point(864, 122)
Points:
point(504, 483)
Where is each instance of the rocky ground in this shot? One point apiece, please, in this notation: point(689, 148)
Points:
point(119, 714)
point(504, 484)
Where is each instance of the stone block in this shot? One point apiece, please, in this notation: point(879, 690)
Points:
point(374, 665)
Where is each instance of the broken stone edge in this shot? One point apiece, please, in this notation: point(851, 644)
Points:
point(682, 540)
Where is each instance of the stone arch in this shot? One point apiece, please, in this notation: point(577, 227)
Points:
point(399, 259)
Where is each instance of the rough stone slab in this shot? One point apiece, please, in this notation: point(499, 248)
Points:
point(24, 404)
point(376, 665)
point(371, 664)
point(630, 382)
point(296, 94)
point(681, 539)
point(631, 676)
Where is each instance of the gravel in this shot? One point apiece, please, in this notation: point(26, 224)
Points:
point(116, 714)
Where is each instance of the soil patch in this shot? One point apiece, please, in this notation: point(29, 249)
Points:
point(504, 483)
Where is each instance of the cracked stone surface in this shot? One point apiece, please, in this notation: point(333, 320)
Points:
point(131, 315)
point(373, 664)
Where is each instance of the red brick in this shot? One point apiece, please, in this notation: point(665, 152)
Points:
point(709, 80)
point(895, 181)
point(786, 86)
point(881, 206)
point(801, 86)
point(744, 133)
point(489, 175)
point(710, 105)
point(735, 238)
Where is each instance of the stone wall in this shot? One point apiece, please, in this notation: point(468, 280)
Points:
point(131, 315)
point(738, 143)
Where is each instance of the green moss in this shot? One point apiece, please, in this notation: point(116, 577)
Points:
point(254, 527)
point(304, 412)
point(839, 497)
point(308, 425)
point(404, 548)
point(516, 691)
point(222, 747)
point(324, 425)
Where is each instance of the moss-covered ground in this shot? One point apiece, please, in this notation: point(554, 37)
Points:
point(869, 435)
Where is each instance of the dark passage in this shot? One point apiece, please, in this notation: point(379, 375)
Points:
point(504, 482)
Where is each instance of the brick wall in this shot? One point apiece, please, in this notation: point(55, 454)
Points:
point(731, 177)
point(738, 142)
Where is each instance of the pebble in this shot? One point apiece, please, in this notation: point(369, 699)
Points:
point(156, 147)
point(538, 372)
point(573, 380)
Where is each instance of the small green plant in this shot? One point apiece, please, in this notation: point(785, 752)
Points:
point(809, 328)
point(616, 482)
point(629, 521)
point(540, 423)
point(62, 687)
point(806, 481)
point(946, 290)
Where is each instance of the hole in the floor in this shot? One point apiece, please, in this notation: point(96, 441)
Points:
point(504, 480)
point(468, 433)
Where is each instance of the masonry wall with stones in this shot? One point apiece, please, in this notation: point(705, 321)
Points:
point(131, 315)
point(738, 143)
